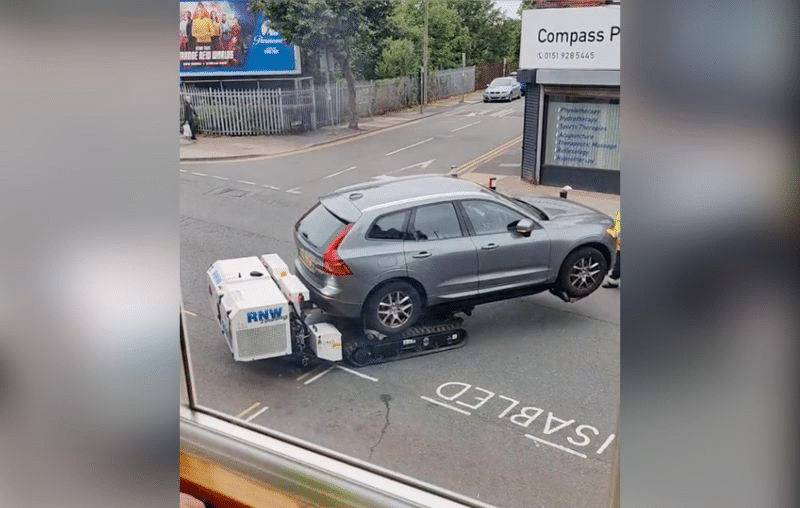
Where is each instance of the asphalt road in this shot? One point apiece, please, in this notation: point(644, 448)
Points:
point(523, 416)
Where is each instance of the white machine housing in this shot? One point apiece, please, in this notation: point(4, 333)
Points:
point(230, 270)
point(253, 299)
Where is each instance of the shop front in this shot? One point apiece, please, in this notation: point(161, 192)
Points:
point(571, 72)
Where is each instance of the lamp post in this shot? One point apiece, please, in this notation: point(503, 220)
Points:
point(424, 62)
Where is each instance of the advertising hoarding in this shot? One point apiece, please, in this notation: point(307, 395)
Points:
point(224, 38)
point(570, 38)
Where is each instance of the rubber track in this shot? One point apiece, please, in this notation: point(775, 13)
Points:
point(415, 332)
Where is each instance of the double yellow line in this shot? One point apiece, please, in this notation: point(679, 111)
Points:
point(486, 157)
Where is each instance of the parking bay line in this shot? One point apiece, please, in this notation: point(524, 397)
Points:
point(409, 146)
point(319, 375)
point(448, 406)
point(252, 407)
point(356, 373)
point(562, 448)
point(251, 417)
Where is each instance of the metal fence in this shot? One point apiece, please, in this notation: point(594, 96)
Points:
point(232, 112)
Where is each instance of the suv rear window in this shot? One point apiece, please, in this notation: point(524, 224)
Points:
point(319, 226)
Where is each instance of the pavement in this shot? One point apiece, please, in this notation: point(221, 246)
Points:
point(221, 148)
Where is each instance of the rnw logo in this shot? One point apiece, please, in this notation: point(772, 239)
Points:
point(266, 30)
point(264, 315)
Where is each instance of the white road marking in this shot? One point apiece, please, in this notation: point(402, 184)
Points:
point(220, 177)
point(605, 445)
point(184, 170)
point(294, 190)
point(319, 375)
point(339, 172)
point(307, 373)
point(351, 371)
point(199, 174)
point(410, 146)
point(509, 165)
point(189, 312)
point(246, 182)
point(465, 126)
point(562, 448)
point(448, 406)
point(256, 413)
point(422, 165)
point(271, 187)
point(503, 112)
point(255, 405)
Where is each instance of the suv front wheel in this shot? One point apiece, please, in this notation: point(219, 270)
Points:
point(582, 272)
point(392, 308)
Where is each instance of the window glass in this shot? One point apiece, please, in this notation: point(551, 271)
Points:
point(319, 226)
point(487, 217)
point(582, 134)
point(436, 222)
point(389, 227)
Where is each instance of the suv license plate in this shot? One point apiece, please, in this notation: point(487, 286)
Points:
point(306, 258)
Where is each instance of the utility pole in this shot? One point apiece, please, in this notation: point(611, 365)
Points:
point(463, 76)
point(424, 62)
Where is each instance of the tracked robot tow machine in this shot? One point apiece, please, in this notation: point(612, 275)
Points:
point(264, 311)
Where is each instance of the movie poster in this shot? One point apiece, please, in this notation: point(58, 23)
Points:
point(225, 38)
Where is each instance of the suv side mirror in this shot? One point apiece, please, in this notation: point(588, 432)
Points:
point(524, 227)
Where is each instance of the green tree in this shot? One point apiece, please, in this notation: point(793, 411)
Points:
point(446, 35)
point(482, 22)
point(338, 26)
point(399, 58)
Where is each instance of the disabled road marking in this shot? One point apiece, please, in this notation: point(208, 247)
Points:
point(576, 437)
point(448, 406)
point(562, 448)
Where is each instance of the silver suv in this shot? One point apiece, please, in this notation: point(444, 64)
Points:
point(385, 251)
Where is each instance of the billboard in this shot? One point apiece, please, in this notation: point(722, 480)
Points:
point(571, 38)
point(224, 38)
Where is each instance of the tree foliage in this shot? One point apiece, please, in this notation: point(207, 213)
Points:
point(384, 38)
point(337, 26)
point(399, 58)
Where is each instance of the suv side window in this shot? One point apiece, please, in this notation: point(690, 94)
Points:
point(389, 227)
point(488, 217)
point(436, 222)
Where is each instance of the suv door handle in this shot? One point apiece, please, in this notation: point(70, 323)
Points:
point(422, 254)
point(490, 246)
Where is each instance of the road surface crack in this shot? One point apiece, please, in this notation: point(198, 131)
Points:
point(385, 398)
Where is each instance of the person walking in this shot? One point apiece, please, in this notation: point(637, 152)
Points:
point(188, 115)
point(612, 281)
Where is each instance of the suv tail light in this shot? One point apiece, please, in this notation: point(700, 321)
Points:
point(332, 263)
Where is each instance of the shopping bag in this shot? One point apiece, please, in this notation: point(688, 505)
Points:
point(187, 131)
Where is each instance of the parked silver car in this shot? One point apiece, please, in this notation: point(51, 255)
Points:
point(502, 89)
point(384, 251)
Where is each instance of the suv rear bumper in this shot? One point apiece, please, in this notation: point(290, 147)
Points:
point(325, 297)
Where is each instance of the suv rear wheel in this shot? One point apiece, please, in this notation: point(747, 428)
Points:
point(392, 308)
point(582, 272)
